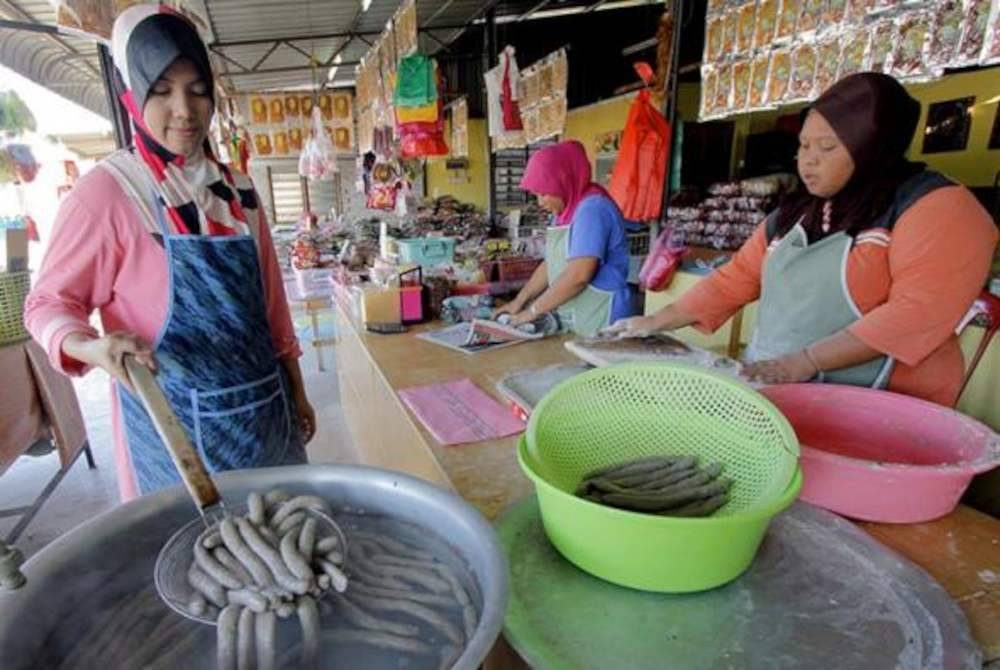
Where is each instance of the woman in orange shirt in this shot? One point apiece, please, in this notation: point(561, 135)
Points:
point(863, 276)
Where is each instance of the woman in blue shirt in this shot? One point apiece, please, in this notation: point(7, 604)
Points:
point(584, 278)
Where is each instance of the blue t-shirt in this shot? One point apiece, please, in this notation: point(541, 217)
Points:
point(598, 231)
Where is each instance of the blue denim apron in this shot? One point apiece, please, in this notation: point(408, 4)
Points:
point(217, 365)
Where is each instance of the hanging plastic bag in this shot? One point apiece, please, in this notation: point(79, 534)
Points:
point(318, 159)
point(640, 172)
point(663, 261)
point(509, 105)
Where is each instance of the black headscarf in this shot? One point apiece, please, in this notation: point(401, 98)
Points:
point(875, 118)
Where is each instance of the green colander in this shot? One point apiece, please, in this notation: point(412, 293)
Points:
point(621, 413)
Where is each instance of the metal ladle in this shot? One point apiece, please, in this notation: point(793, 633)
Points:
point(174, 559)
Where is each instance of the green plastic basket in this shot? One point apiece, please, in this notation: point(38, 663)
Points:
point(620, 413)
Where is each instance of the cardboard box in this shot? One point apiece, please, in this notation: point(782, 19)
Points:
point(13, 250)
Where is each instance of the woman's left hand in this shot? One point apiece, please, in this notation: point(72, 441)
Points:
point(307, 419)
point(789, 369)
point(521, 318)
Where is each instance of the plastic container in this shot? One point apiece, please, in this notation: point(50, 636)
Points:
point(620, 413)
point(426, 251)
point(883, 456)
point(313, 281)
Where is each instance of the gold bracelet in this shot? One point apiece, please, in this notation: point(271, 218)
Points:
point(811, 359)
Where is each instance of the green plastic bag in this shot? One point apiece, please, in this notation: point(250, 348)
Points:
point(416, 82)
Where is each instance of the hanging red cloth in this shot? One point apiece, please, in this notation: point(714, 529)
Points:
point(510, 106)
point(640, 173)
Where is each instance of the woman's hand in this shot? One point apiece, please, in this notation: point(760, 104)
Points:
point(521, 317)
point(790, 369)
point(307, 418)
point(512, 307)
point(635, 326)
point(108, 353)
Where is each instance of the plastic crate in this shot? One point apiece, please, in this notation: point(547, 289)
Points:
point(425, 251)
point(14, 287)
point(510, 270)
point(638, 244)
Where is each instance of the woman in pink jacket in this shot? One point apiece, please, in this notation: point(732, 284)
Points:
point(173, 249)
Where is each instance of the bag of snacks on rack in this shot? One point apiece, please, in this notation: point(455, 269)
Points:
point(834, 13)
point(729, 29)
point(714, 38)
point(723, 90)
point(855, 11)
point(827, 62)
point(741, 85)
point(745, 25)
point(909, 55)
point(947, 17)
point(991, 49)
point(767, 20)
point(778, 76)
point(787, 18)
point(709, 81)
point(810, 13)
point(758, 80)
point(803, 73)
point(977, 16)
point(854, 55)
point(880, 48)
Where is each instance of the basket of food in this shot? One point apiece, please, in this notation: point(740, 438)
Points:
point(14, 287)
point(662, 477)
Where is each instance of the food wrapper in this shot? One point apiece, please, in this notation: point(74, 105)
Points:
point(729, 34)
point(258, 109)
point(880, 48)
point(714, 39)
point(788, 17)
point(545, 81)
point(946, 33)
point(552, 117)
point(834, 13)
point(778, 76)
point(342, 107)
point(909, 52)
point(276, 110)
point(803, 73)
point(827, 62)
point(991, 47)
point(531, 95)
point(745, 27)
point(292, 107)
point(560, 72)
point(723, 90)
point(977, 16)
point(709, 82)
point(885, 5)
point(262, 144)
point(810, 14)
point(716, 6)
point(854, 55)
point(342, 140)
point(532, 129)
point(855, 11)
point(758, 80)
point(295, 139)
point(741, 85)
point(767, 20)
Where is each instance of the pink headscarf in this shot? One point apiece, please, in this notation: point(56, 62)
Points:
point(562, 170)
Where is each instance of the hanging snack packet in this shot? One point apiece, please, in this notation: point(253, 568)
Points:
point(803, 73)
point(833, 14)
point(715, 7)
point(827, 62)
point(977, 16)
point(854, 55)
point(778, 76)
point(741, 85)
point(885, 5)
point(767, 19)
point(991, 49)
point(723, 90)
point(714, 38)
point(909, 52)
point(880, 48)
point(787, 18)
point(758, 80)
point(946, 32)
point(810, 14)
point(709, 81)
point(745, 26)
point(728, 35)
point(857, 10)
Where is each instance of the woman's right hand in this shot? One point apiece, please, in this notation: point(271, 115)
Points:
point(635, 326)
point(108, 352)
point(512, 307)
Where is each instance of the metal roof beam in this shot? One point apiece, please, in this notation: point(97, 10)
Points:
point(229, 60)
point(284, 70)
point(537, 8)
point(323, 36)
point(14, 10)
point(266, 55)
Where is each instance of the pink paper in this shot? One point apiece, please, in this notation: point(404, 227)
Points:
point(460, 413)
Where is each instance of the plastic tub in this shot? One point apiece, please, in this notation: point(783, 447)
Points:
point(880, 456)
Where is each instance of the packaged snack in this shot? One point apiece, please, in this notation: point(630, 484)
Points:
point(262, 144)
point(342, 106)
point(729, 28)
point(531, 126)
point(716, 6)
point(723, 90)
point(258, 109)
point(880, 49)
point(977, 16)
point(531, 95)
point(854, 55)
point(778, 76)
point(713, 39)
point(787, 18)
point(767, 19)
point(745, 26)
point(803, 73)
point(709, 82)
point(281, 143)
point(758, 80)
point(913, 30)
point(991, 48)
point(295, 139)
point(827, 62)
point(560, 72)
point(856, 10)
point(946, 32)
point(834, 13)
point(810, 13)
point(306, 106)
point(885, 5)
point(276, 110)
point(741, 85)
point(292, 106)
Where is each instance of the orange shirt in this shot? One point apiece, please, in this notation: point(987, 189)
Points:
point(912, 284)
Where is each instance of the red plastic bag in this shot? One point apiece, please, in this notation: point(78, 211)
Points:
point(511, 108)
point(640, 173)
point(663, 261)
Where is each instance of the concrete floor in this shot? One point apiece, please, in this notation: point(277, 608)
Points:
point(84, 493)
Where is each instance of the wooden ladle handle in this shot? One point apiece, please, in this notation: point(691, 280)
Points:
point(185, 456)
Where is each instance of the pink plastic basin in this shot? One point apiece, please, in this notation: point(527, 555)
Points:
point(882, 456)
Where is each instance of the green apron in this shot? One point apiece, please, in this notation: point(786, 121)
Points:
point(589, 311)
point(804, 298)
point(804, 295)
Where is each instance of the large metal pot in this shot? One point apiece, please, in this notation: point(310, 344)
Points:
point(107, 564)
